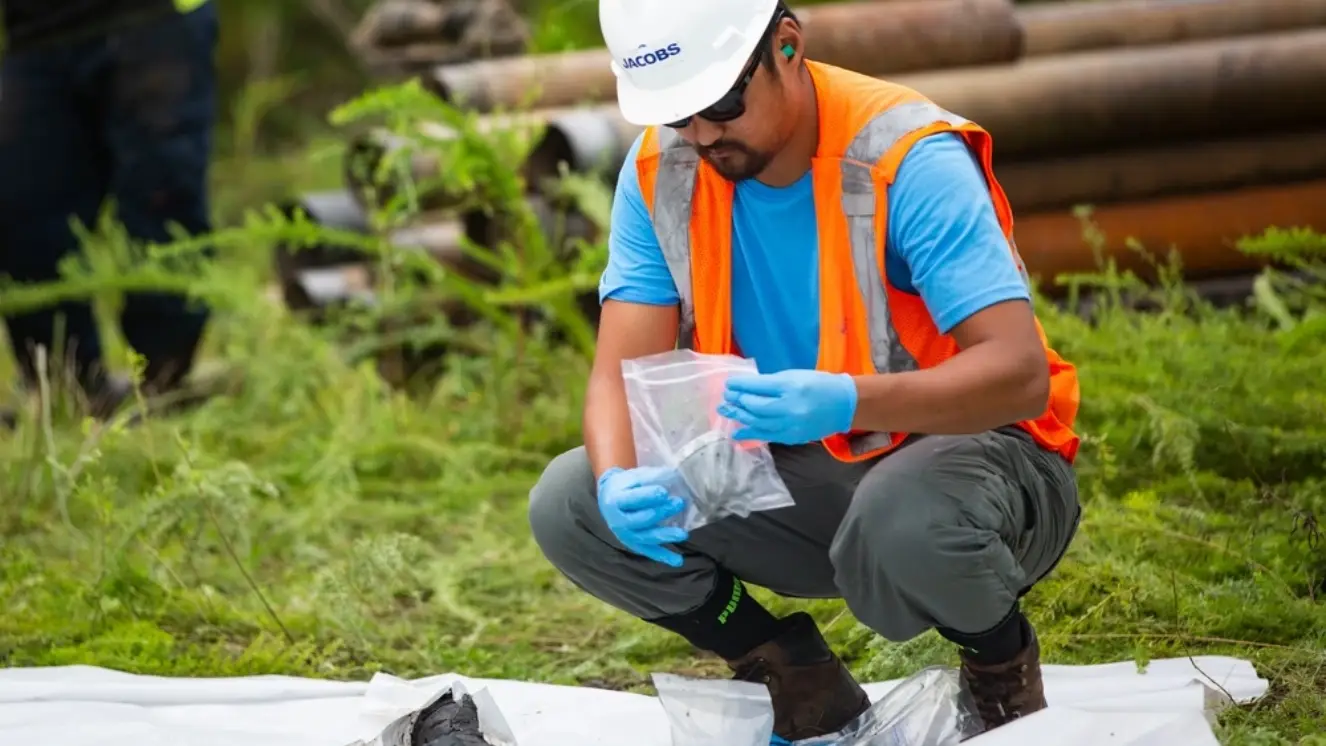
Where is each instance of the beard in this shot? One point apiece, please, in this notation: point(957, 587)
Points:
point(734, 161)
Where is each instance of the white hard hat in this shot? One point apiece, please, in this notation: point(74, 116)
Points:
point(673, 58)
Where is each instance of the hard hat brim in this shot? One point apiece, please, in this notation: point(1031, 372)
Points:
point(646, 107)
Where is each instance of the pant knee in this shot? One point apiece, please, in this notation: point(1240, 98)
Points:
point(889, 533)
point(558, 505)
point(878, 554)
point(907, 558)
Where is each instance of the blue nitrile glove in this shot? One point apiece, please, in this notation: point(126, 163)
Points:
point(633, 503)
point(777, 740)
point(792, 406)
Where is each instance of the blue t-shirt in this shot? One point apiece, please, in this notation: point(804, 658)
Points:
point(944, 243)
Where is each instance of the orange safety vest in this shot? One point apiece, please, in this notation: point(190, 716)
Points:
point(867, 325)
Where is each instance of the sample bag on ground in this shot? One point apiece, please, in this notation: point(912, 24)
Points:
point(928, 708)
point(450, 717)
point(673, 398)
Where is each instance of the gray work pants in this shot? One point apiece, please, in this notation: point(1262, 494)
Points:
point(946, 531)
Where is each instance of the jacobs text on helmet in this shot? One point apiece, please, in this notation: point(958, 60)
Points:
point(650, 58)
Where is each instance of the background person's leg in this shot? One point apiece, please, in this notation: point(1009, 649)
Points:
point(159, 83)
point(54, 171)
point(948, 533)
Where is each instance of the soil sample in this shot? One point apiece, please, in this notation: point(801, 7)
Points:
point(447, 722)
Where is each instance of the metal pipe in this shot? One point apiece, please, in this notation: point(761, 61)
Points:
point(363, 155)
point(580, 140)
point(535, 81)
point(871, 37)
point(1063, 27)
point(1155, 172)
point(561, 225)
point(586, 141)
point(1094, 101)
point(440, 238)
point(299, 289)
point(899, 36)
point(1203, 229)
point(347, 277)
point(321, 287)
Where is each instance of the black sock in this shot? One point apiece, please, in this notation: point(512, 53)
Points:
point(729, 623)
point(999, 644)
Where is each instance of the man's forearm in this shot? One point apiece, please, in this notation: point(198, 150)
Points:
point(626, 331)
point(607, 424)
point(982, 387)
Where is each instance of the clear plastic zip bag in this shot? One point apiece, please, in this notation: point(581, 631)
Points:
point(673, 398)
point(928, 708)
point(715, 712)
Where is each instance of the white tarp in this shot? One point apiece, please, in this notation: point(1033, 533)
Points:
point(1170, 704)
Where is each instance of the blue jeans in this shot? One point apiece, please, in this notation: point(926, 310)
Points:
point(126, 116)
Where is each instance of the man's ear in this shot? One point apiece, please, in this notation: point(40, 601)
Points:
point(789, 43)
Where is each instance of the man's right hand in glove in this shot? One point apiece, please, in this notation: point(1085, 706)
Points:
point(634, 504)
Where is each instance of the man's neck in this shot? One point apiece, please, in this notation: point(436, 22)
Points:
point(793, 161)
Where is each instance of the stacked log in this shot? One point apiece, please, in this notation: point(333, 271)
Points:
point(408, 36)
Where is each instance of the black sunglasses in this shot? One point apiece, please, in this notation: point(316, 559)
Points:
point(733, 103)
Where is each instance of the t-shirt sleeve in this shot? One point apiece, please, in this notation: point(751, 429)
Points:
point(636, 271)
point(944, 229)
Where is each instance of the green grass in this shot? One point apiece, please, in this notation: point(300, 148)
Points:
point(315, 523)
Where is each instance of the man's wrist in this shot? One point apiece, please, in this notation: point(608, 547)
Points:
point(851, 401)
point(606, 475)
point(873, 394)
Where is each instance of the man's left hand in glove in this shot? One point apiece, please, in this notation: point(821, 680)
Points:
point(790, 407)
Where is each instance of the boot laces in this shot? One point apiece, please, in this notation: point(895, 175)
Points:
point(757, 671)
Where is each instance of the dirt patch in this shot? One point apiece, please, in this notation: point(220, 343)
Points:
point(703, 668)
point(622, 683)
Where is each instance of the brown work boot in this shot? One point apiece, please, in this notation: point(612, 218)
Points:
point(1007, 691)
point(813, 693)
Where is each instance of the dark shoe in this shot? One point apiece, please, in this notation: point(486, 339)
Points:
point(813, 693)
point(1007, 691)
point(165, 375)
point(110, 394)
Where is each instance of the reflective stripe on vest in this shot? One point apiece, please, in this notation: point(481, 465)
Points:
point(188, 6)
point(672, 202)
